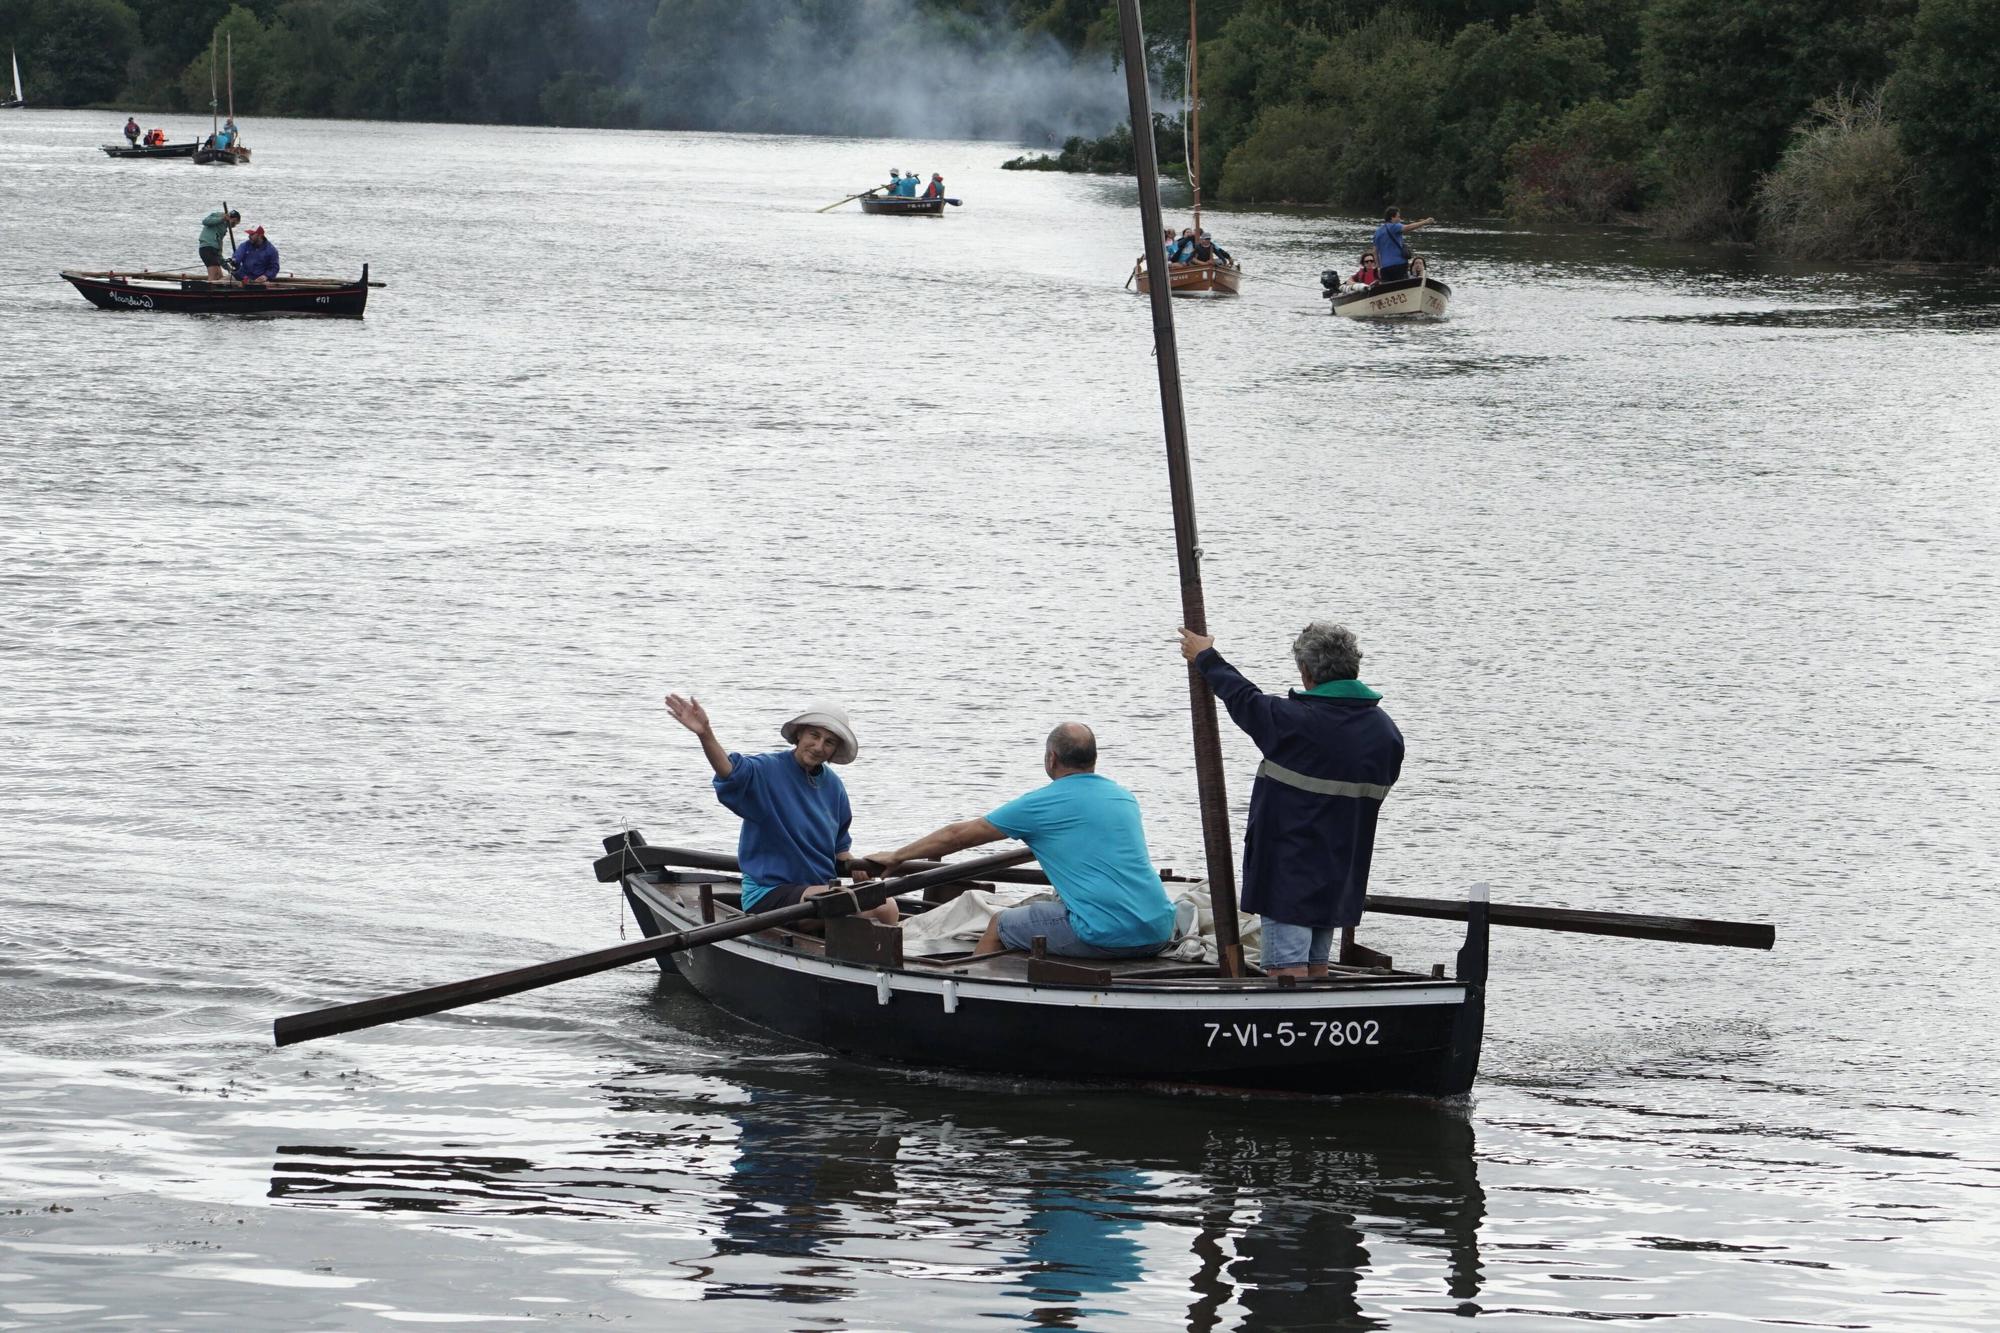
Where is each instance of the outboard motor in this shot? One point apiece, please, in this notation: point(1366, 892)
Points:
point(1329, 283)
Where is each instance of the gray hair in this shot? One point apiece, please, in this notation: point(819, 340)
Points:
point(1326, 651)
point(1073, 745)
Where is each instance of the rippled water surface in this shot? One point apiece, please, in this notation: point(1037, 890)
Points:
point(329, 650)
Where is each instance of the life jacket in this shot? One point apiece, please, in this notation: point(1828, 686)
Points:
point(1202, 252)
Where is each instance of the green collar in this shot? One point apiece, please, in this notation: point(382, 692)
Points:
point(1337, 689)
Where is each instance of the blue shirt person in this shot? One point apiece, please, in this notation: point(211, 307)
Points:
point(794, 807)
point(1331, 754)
point(256, 258)
point(1389, 248)
point(1085, 831)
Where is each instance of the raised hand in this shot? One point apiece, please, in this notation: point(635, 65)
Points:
point(689, 713)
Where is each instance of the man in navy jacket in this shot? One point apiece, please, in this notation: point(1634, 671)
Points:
point(1330, 756)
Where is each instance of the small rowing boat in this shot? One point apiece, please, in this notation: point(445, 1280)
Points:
point(1404, 298)
point(157, 150)
point(1367, 1027)
point(895, 206)
point(337, 298)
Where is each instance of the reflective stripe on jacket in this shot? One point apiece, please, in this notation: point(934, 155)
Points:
point(1328, 764)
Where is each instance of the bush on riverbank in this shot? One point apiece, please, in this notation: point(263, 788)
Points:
point(1845, 189)
point(1111, 155)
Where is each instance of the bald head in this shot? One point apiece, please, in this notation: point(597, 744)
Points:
point(1072, 748)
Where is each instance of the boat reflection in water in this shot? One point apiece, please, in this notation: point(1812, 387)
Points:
point(818, 1181)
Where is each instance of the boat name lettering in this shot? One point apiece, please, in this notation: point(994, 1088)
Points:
point(128, 298)
point(1317, 1032)
point(323, 300)
point(1384, 302)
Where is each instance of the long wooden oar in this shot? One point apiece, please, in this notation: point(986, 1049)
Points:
point(457, 994)
point(838, 202)
point(1626, 925)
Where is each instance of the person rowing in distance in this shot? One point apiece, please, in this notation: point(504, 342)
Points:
point(794, 807)
point(132, 131)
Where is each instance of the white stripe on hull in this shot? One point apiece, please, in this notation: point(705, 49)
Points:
point(1412, 301)
point(1127, 996)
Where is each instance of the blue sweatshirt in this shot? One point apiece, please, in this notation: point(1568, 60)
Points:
point(793, 821)
point(256, 261)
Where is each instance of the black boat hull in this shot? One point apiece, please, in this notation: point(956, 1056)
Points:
point(220, 157)
point(1418, 1039)
point(168, 150)
point(195, 297)
point(903, 208)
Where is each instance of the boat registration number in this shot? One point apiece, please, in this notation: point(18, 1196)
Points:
point(1313, 1032)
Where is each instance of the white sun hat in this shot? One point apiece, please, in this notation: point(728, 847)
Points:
point(831, 718)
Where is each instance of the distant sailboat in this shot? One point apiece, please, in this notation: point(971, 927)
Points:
point(19, 100)
point(218, 151)
point(1213, 277)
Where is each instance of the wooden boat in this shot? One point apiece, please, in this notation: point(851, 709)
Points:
point(1222, 277)
point(1217, 279)
point(162, 150)
point(17, 99)
point(338, 298)
point(1366, 1028)
point(1422, 297)
point(894, 206)
point(207, 154)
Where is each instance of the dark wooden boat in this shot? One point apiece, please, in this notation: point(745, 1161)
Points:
point(162, 150)
point(338, 298)
point(1368, 1028)
point(235, 155)
point(896, 207)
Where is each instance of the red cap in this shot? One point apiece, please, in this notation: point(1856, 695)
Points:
point(255, 231)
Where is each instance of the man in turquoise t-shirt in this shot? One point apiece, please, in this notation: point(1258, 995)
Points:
point(1085, 831)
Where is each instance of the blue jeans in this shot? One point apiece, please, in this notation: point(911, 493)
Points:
point(1020, 925)
point(1295, 946)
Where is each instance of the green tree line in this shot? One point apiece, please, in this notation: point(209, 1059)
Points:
point(1834, 128)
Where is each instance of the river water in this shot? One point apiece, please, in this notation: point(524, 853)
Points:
point(330, 650)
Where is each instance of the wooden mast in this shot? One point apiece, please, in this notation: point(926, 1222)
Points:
point(1194, 612)
point(214, 106)
point(1194, 121)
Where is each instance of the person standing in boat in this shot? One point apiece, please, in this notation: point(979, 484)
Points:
point(1330, 756)
point(794, 807)
point(132, 131)
point(1085, 831)
point(256, 258)
point(214, 228)
point(1389, 247)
